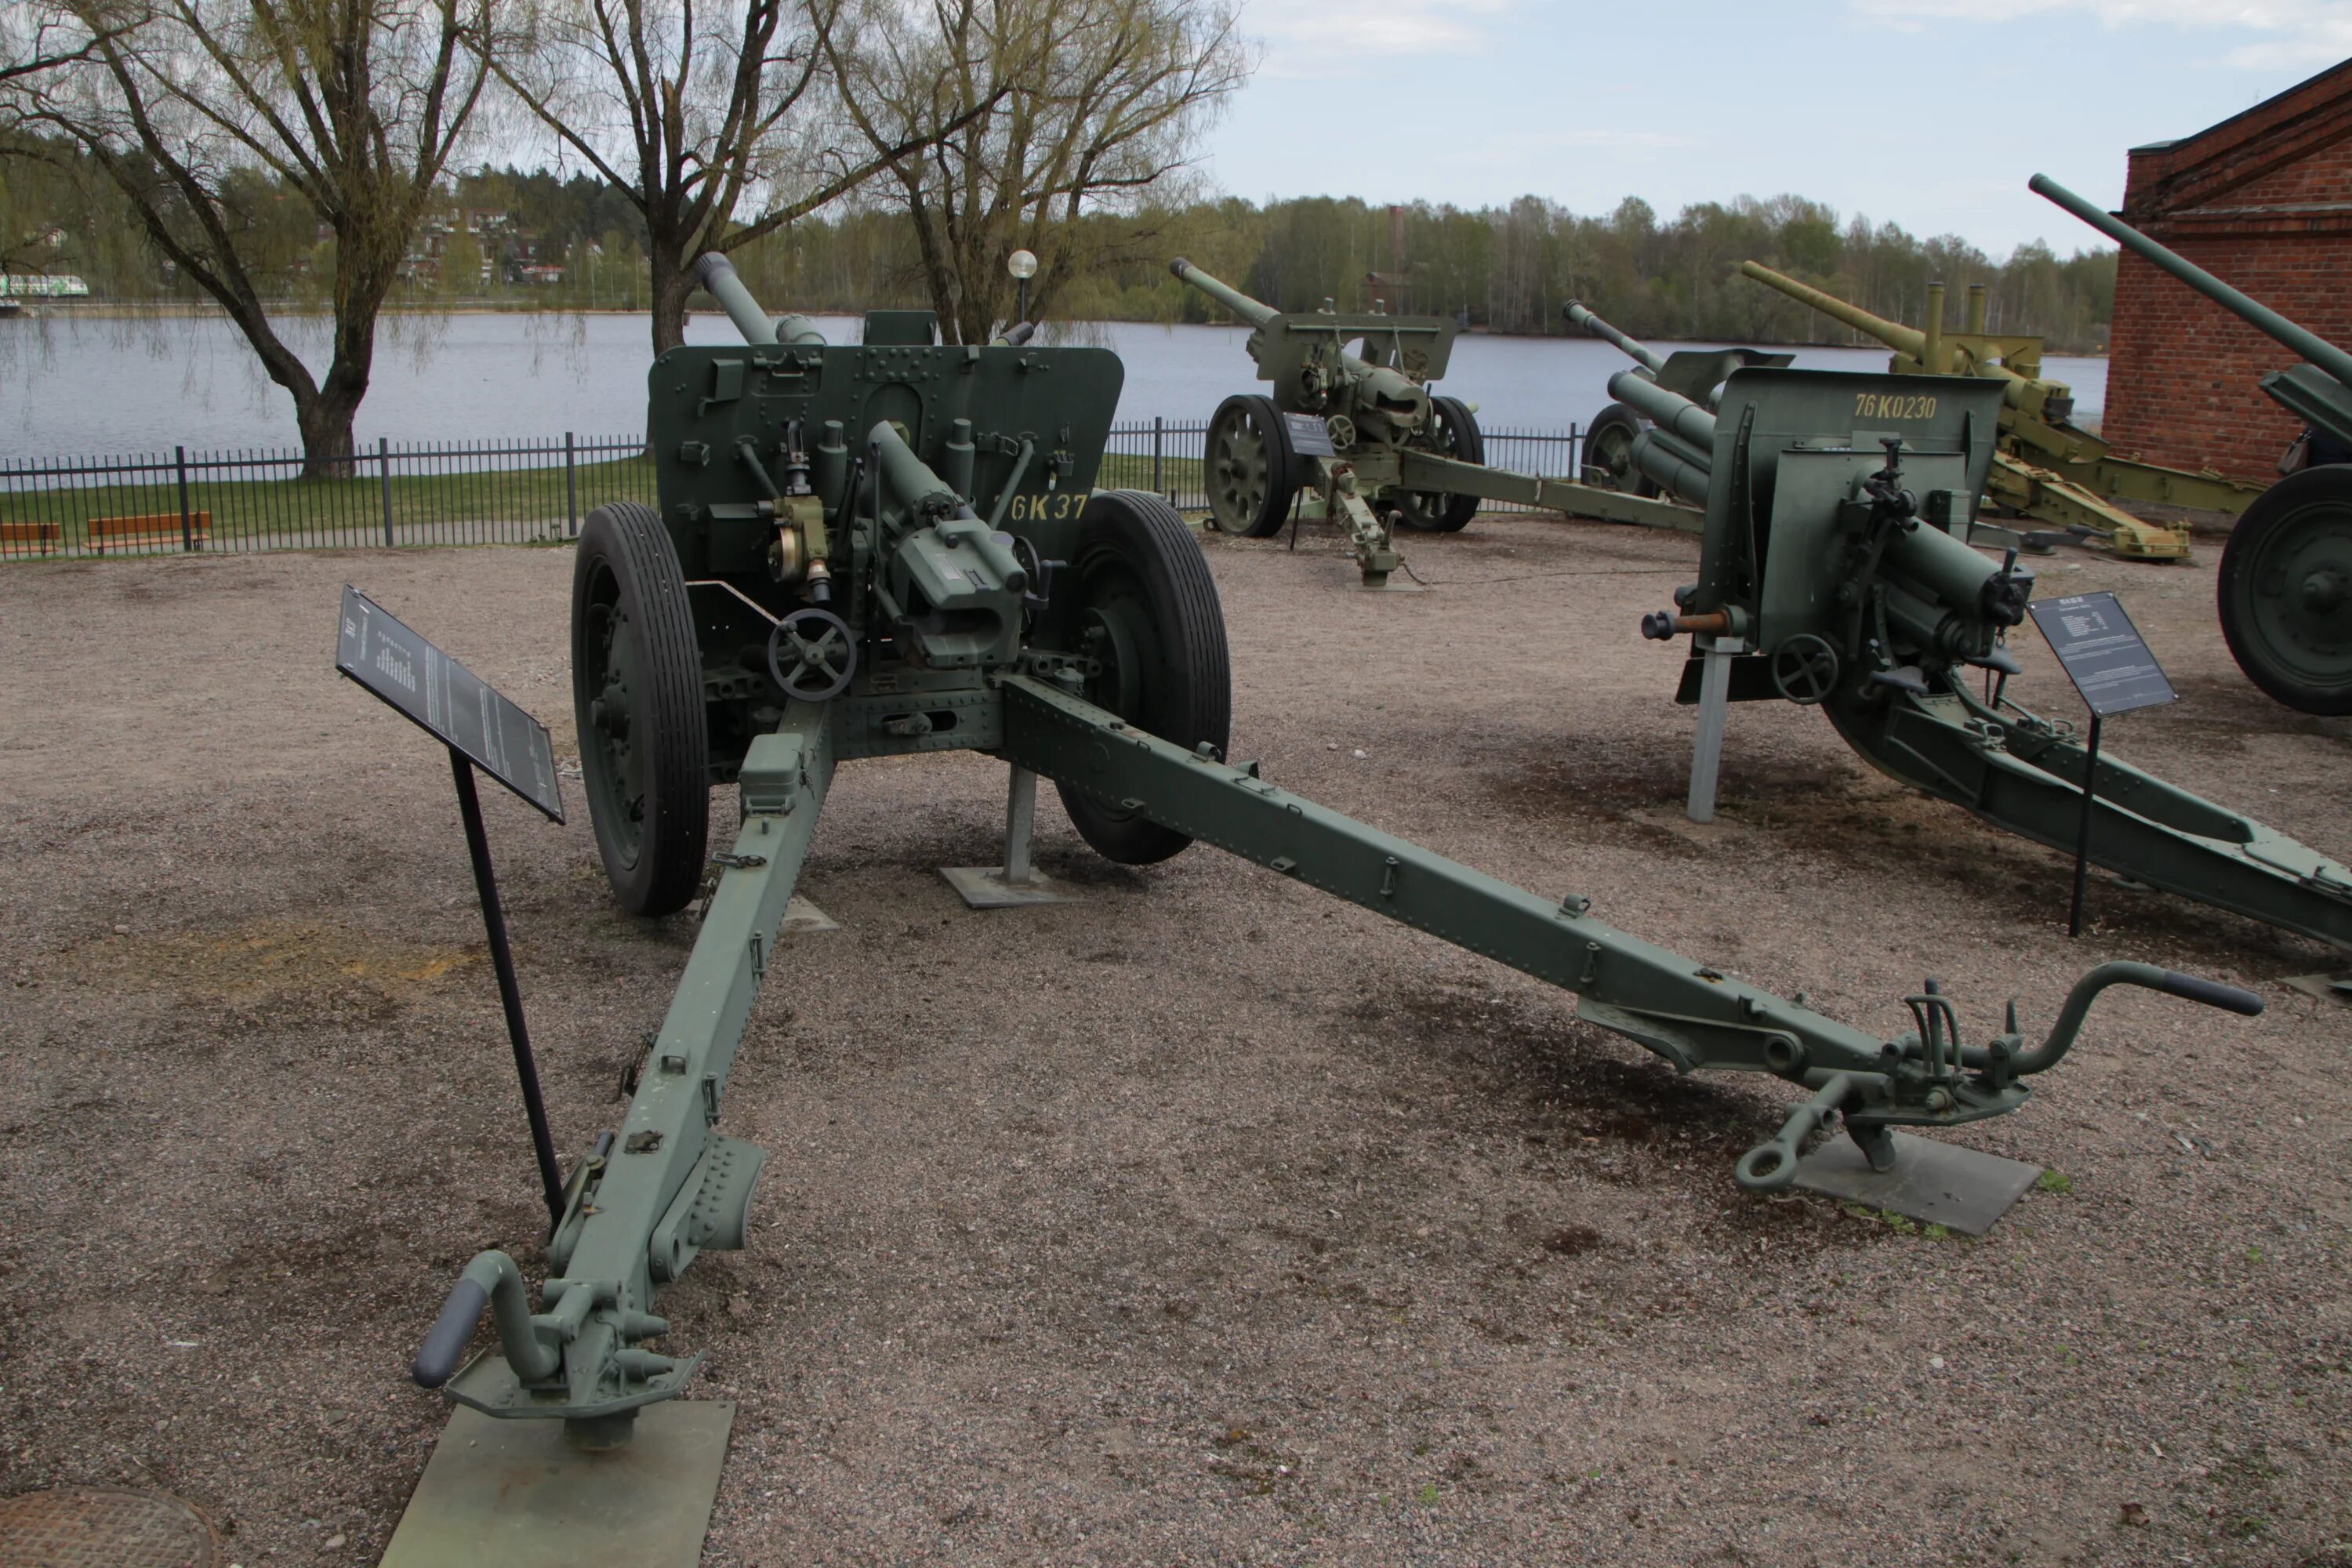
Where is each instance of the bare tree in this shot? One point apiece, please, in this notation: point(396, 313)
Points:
point(1107, 102)
point(355, 105)
point(695, 114)
point(46, 44)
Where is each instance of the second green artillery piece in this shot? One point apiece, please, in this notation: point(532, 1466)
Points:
point(1697, 375)
point(1361, 433)
point(896, 549)
point(1833, 572)
point(2049, 469)
point(2284, 591)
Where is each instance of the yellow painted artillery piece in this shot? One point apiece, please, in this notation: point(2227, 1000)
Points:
point(2047, 468)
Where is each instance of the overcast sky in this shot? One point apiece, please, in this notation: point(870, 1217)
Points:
point(1929, 112)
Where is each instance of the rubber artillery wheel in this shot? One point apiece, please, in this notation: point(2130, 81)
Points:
point(2284, 591)
point(1609, 452)
point(1251, 472)
point(1453, 433)
point(1137, 597)
point(636, 695)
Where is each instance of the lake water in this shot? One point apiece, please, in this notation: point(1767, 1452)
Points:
point(85, 387)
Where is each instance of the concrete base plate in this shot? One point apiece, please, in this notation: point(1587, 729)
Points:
point(801, 917)
point(513, 1494)
point(2322, 987)
point(1399, 584)
point(985, 888)
point(1934, 1183)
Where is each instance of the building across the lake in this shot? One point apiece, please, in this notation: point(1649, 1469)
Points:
point(2263, 202)
point(40, 286)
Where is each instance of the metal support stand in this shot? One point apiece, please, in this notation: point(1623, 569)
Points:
point(1714, 704)
point(493, 923)
point(1017, 881)
point(2083, 837)
point(1959, 1188)
point(513, 1494)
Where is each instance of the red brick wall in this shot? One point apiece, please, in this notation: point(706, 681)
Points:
point(2246, 201)
point(2181, 371)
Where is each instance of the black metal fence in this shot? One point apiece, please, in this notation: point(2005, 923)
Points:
point(395, 493)
point(483, 492)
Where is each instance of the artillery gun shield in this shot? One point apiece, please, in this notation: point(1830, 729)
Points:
point(637, 693)
point(1138, 599)
point(2284, 591)
point(1252, 472)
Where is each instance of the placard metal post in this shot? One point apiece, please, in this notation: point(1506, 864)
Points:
point(2113, 671)
point(494, 925)
point(2082, 837)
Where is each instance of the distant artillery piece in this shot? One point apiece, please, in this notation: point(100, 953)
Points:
point(2284, 592)
point(1697, 375)
point(1364, 437)
point(2049, 469)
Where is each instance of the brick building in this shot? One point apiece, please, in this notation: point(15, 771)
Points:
point(2263, 202)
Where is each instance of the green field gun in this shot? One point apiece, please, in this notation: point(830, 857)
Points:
point(1697, 375)
point(2284, 592)
point(896, 548)
point(1834, 566)
point(2049, 469)
point(1362, 435)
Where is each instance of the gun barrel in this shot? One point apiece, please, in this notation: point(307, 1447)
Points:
point(718, 279)
point(1893, 334)
point(1669, 410)
point(2302, 340)
point(1231, 297)
point(1641, 353)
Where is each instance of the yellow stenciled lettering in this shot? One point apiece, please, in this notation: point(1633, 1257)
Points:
point(1890, 405)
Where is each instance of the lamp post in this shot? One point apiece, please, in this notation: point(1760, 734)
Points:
point(1023, 265)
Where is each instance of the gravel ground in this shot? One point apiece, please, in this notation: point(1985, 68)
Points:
point(1203, 1220)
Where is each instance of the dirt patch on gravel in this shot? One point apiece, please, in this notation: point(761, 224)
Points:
point(1203, 1219)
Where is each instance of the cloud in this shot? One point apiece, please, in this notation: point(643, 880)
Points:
point(1311, 38)
point(2304, 32)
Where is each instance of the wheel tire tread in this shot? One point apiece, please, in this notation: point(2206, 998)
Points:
point(2237, 556)
point(1470, 446)
point(1282, 483)
point(1196, 668)
point(675, 837)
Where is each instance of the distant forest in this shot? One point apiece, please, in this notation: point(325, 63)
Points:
point(526, 238)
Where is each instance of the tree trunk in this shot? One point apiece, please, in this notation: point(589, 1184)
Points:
point(672, 282)
point(325, 417)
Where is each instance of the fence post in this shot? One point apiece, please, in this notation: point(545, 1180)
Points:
point(1575, 473)
point(383, 483)
point(187, 532)
point(571, 487)
point(1158, 423)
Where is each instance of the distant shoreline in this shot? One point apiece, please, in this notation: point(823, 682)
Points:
point(188, 310)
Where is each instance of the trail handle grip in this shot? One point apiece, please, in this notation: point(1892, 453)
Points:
point(436, 1362)
point(2212, 993)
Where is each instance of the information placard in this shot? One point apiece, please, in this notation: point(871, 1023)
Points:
point(1311, 437)
point(447, 701)
point(2102, 653)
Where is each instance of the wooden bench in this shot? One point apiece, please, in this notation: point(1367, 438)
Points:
point(31, 537)
point(153, 531)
